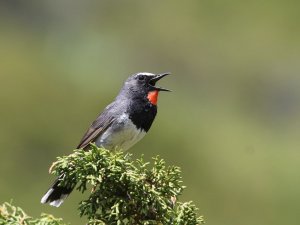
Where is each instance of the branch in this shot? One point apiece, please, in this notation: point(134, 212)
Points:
point(123, 191)
point(10, 214)
point(126, 191)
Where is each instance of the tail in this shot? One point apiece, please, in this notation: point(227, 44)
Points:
point(56, 194)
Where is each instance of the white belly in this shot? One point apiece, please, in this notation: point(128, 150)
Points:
point(122, 135)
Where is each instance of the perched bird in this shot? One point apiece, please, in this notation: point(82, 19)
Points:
point(122, 123)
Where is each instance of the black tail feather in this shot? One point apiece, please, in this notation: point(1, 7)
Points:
point(56, 194)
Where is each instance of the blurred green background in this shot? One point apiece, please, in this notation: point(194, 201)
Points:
point(232, 122)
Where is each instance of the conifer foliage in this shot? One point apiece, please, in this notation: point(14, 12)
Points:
point(122, 190)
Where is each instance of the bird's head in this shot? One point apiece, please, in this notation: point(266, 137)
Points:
point(143, 84)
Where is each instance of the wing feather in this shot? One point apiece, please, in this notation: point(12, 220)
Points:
point(98, 127)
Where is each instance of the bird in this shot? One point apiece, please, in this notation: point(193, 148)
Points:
point(121, 124)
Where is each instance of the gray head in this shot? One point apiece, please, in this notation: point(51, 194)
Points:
point(142, 85)
point(145, 82)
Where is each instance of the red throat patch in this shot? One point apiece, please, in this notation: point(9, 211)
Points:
point(152, 97)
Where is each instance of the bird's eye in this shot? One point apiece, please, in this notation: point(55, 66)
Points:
point(141, 78)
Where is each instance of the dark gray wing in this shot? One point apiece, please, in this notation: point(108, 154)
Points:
point(98, 127)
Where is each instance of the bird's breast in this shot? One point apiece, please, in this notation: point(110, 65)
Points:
point(143, 114)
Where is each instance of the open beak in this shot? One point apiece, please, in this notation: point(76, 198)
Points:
point(156, 78)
